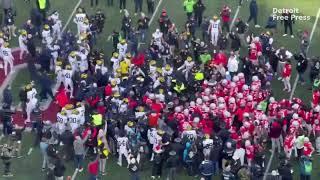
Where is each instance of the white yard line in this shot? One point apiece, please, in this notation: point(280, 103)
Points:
point(235, 17)
point(71, 15)
point(268, 166)
point(311, 36)
point(74, 175)
point(155, 12)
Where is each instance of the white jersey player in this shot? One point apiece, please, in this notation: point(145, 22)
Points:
point(23, 43)
point(189, 134)
point(58, 72)
point(57, 25)
point(72, 58)
point(152, 135)
point(83, 62)
point(122, 49)
point(122, 144)
point(46, 35)
point(79, 19)
point(62, 121)
point(101, 67)
point(186, 67)
point(115, 62)
point(7, 58)
point(214, 30)
point(54, 54)
point(82, 111)
point(67, 81)
point(74, 120)
point(32, 100)
point(207, 145)
point(157, 37)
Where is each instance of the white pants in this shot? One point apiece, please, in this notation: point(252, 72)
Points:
point(122, 153)
point(68, 84)
point(318, 144)
point(288, 153)
point(241, 154)
point(30, 106)
point(286, 83)
point(102, 165)
point(6, 62)
point(23, 50)
point(56, 32)
point(214, 37)
point(275, 143)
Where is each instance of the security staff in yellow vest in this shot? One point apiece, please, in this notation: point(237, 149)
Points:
point(43, 7)
point(179, 86)
point(97, 119)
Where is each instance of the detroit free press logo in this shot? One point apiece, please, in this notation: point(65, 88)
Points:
point(281, 14)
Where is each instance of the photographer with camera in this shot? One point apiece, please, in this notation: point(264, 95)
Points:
point(302, 65)
point(6, 155)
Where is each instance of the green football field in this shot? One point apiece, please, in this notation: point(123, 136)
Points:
point(30, 166)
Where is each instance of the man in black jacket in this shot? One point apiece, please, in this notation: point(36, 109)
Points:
point(288, 21)
point(301, 67)
point(215, 153)
point(7, 96)
point(172, 164)
point(198, 11)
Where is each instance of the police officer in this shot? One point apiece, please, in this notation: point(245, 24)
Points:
point(138, 6)
point(143, 25)
point(199, 8)
point(92, 2)
point(150, 4)
point(100, 19)
point(126, 24)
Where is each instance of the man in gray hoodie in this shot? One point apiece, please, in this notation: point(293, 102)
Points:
point(79, 150)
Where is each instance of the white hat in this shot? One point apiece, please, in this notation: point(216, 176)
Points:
point(271, 99)
point(317, 108)
point(235, 79)
point(232, 100)
point(221, 106)
point(196, 120)
point(255, 78)
point(199, 101)
point(133, 160)
point(207, 91)
point(241, 75)
point(177, 109)
point(213, 106)
point(192, 104)
point(295, 116)
point(245, 87)
point(186, 112)
point(249, 98)
point(205, 98)
point(224, 82)
point(239, 95)
point(295, 106)
point(247, 143)
point(221, 100)
point(233, 84)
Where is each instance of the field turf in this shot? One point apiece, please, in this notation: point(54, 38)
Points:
point(29, 168)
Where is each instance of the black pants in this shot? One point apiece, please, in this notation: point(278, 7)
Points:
point(7, 165)
point(123, 4)
point(157, 170)
point(92, 2)
point(254, 17)
point(225, 25)
point(286, 26)
point(6, 130)
point(198, 18)
point(43, 13)
point(150, 6)
point(189, 14)
point(138, 5)
point(44, 92)
point(305, 177)
point(110, 2)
